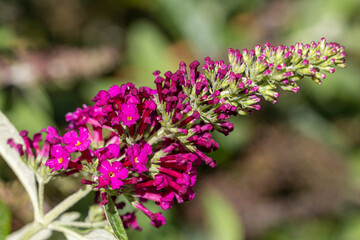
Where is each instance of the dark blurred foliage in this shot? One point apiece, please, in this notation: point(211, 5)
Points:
point(289, 171)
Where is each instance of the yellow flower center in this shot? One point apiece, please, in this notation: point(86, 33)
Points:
point(129, 118)
point(111, 174)
point(60, 160)
point(78, 143)
point(136, 160)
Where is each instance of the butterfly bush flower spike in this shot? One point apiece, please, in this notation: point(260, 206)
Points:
point(146, 144)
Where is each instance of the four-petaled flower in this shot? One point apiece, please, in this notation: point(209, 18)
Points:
point(75, 142)
point(138, 154)
point(109, 152)
point(52, 135)
point(60, 160)
point(113, 173)
point(129, 114)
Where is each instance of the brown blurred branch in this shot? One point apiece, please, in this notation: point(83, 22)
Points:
point(61, 63)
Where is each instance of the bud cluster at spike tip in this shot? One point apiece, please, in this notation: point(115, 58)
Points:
point(146, 144)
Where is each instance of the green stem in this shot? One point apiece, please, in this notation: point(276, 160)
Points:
point(34, 228)
point(67, 231)
point(41, 198)
point(81, 224)
point(157, 136)
point(44, 221)
point(65, 205)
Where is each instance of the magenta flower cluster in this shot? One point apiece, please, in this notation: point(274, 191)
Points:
point(136, 155)
point(146, 144)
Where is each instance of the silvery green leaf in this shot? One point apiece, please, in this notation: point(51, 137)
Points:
point(72, 235)
point(114, 220)
point(12, 158)
point(93, 235)
point(95, 214)
point(70, 216)
point(100, 234)
point(43, 234)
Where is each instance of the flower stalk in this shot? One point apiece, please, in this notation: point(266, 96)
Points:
point(43, 222)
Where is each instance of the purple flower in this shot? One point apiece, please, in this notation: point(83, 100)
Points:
point(129, 221)
point(113, 173)
point(138, 154)
point(78, 118)
point(77, 142)
point(101, 98)
point(161, 181)
point(35, 143)
point(52, 135)
point(60, 160)
point(27, 142)
point(129, 114)
point(103, 181)
point(17, 147)
point(157, 219)
point(165, 199)
point(114, 91)
point(109, 152)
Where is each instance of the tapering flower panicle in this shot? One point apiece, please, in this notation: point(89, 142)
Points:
point(146, 144)
point(237, 88)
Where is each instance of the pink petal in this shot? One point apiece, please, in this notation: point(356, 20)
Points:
point(51, 162)
point(64, 164)
point(114, 150)
point(116, 183)
point(84, 145)
point(105, 167)
point(123, 173)
point(84, 134)
point(70, 148)
point(56, 150)
point(117, 166)
point(70, 137)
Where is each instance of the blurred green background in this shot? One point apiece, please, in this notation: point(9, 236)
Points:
point(289, 171)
